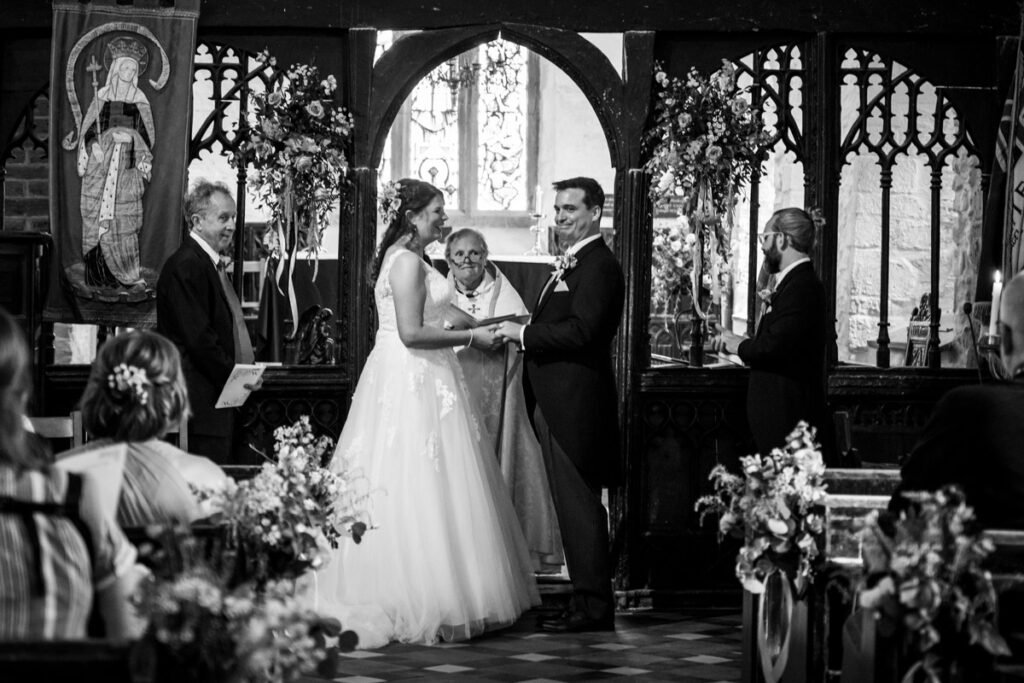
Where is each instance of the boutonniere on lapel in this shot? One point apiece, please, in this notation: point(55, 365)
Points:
point(766, 295)
point(563, 264)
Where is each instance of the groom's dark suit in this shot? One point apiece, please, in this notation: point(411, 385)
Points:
point(192, 311)
point(787, 362)
point(571, 395)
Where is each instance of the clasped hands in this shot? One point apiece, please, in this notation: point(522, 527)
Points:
point(492, 337)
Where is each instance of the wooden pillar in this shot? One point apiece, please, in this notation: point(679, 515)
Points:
point(822, 185)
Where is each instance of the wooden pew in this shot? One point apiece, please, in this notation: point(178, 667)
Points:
point(65, 661)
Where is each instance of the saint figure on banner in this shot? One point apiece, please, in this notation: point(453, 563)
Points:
point(115, 162)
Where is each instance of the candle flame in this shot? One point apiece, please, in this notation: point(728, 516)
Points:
point(998, 277)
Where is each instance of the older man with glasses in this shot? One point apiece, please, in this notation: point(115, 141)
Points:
point(495, 382)
point(786, 355)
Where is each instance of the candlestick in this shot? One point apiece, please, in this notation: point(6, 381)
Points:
point(993, 316)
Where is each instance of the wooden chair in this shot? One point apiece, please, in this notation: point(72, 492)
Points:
point(66, 427)
point(180, 433)
point(66, 661)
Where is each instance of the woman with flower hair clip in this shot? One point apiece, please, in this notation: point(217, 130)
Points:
point(61, 554)
point(135, 394)
point(446, 558)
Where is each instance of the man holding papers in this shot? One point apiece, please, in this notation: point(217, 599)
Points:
point(198, 310)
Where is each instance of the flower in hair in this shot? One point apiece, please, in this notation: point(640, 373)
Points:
point(129, 378)
point(563, 264)
point(390, 201)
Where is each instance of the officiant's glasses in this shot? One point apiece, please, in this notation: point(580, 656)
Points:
point(472, 256)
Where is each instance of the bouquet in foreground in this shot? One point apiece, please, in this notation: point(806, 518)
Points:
point(294, 511)
point(924, 581)
point(200, 630)
point(777, 507)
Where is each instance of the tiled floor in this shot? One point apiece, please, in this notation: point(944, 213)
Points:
point(646, 646)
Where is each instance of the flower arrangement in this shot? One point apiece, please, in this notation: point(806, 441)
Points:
point(295, 145)
point(776, 506)
point(389, 201)
point(703, 146)
point(924, 579)
point(671, 263)
point(295, 510)
point(203, 630)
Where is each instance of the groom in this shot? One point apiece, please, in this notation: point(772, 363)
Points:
point(570, 392)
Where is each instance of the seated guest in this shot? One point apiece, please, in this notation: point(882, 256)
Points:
point(58, 552)
point(136, 393)
point(976, 435)
point(495, 382)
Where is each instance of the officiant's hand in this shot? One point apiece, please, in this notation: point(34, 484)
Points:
point(509, 331)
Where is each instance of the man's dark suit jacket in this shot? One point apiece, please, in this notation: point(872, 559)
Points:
point(975, 438)
point(568, 365)
point(192, 311)
point(787, 362)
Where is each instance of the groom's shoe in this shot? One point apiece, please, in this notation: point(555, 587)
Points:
point(577, 622)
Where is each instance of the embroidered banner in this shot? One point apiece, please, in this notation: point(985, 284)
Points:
point(120, 99)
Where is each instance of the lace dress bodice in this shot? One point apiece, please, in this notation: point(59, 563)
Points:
point(434, 308)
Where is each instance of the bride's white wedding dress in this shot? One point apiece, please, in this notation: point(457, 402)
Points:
point(446, 558)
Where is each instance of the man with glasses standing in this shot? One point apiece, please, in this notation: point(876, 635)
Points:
point(786, 355)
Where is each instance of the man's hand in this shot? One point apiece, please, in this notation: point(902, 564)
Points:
point(255, 386)
point(727, 342)
point(509, 331)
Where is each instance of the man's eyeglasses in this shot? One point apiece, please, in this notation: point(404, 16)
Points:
point(763, 235)
point(472, 256)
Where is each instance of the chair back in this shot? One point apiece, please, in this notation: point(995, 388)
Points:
point(179, 433)
point(66, 661)
point(64, 427)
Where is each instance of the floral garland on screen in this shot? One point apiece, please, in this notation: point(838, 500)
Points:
point(703, 146)
point(293, 149)
point(777, 507)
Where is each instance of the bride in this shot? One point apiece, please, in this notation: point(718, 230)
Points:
point(446, 558)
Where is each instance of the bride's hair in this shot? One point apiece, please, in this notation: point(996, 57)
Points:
point(414, 195)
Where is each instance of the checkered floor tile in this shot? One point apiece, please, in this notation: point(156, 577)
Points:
point(646, 646)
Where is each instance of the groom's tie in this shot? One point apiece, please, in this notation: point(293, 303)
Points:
point(243, 345)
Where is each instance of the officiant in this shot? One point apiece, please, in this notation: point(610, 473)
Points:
point(494, 379)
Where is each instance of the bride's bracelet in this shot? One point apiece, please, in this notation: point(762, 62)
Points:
point(470, 337)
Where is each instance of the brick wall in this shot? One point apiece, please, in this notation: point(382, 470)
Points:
point(26, 180)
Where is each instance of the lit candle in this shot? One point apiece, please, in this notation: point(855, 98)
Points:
point(538, 201)
point(993, 316)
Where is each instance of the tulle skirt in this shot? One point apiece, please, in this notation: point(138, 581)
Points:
point(445, 557)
